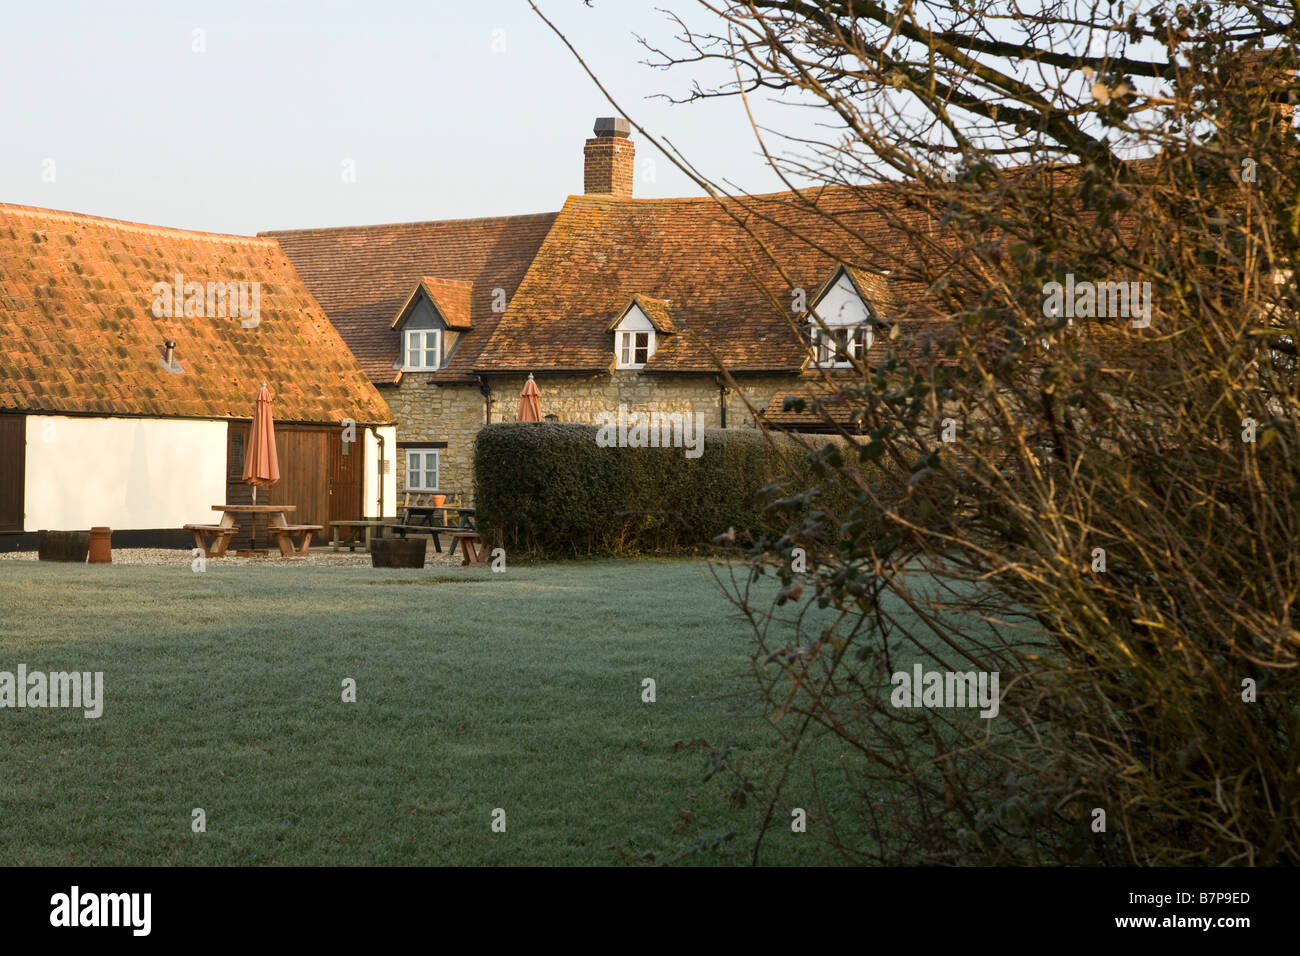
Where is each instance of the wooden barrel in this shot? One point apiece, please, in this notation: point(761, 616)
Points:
point(397, 552)
point(63, 545)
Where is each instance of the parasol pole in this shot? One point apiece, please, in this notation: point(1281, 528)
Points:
point(252, 534)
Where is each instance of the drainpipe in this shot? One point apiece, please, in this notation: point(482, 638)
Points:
point(722, 403)
point(485, 390)
point(379, 437)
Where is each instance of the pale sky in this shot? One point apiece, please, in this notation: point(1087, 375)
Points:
point(446, 109)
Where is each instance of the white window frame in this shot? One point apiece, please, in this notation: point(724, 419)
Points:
point(422, 471)
point(627, 347)
point(411, 350)
point(827, 348)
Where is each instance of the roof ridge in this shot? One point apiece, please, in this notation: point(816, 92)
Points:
point(323, 230)
point(62, 215)
point(736, 197)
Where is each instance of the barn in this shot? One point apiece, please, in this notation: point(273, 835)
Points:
point(130, 356)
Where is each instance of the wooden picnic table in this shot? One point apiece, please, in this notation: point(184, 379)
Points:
point(355, 531)
point(278, 526)
point(417, 518)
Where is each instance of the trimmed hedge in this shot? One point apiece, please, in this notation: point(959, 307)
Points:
point(550, 489)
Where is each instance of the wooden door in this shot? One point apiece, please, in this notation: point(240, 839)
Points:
point(13, 457)
point(304, 474)
point(304, 478)
point(346, 469)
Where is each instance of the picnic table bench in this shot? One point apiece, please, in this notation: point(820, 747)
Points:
point(420, 518)
point(221, 535)
point(284, 535)
point(277, 526)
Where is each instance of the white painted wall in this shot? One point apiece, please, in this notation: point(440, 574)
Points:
point(370, 490)
point(125, 473)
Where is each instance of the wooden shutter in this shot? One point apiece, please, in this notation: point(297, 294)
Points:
point(13, 457)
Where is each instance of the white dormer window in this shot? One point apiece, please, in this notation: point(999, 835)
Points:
point(423, 349)
point(634, 339)
point(847, 327)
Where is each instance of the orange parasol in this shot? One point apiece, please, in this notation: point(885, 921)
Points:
point(261, 462)
point(530, 402)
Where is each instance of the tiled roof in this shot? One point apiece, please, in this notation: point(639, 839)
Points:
point(727, 296)
point(823, 410)
point(875, 289)
point(449, 296)
point(657, 311)
point(78, 331)
point(362, 276)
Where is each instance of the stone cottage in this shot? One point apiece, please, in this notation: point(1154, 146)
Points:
point(416, 303)
point(613, 301)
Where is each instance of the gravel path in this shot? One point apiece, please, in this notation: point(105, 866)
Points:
point(318, 557)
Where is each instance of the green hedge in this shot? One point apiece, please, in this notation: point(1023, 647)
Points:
point(550, 489)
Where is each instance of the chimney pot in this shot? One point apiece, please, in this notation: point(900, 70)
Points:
point(612, 126)
point(608, 159)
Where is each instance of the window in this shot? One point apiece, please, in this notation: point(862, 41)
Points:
point(635, 348)
point(835, 346)
point(634, 338)
point(423, 349)
point(421, 469)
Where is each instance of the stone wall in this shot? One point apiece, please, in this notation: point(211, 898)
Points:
point(454, 413)
point(575, 398)
point(438, 413)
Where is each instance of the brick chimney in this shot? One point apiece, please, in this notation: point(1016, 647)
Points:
point(607, 159)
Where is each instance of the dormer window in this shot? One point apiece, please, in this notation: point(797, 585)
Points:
point(644, 325)
point(431, 323)
point(842, 323)
point(634, 338)
point(423, 349)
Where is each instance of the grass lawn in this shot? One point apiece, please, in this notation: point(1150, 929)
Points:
point(475, 691)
